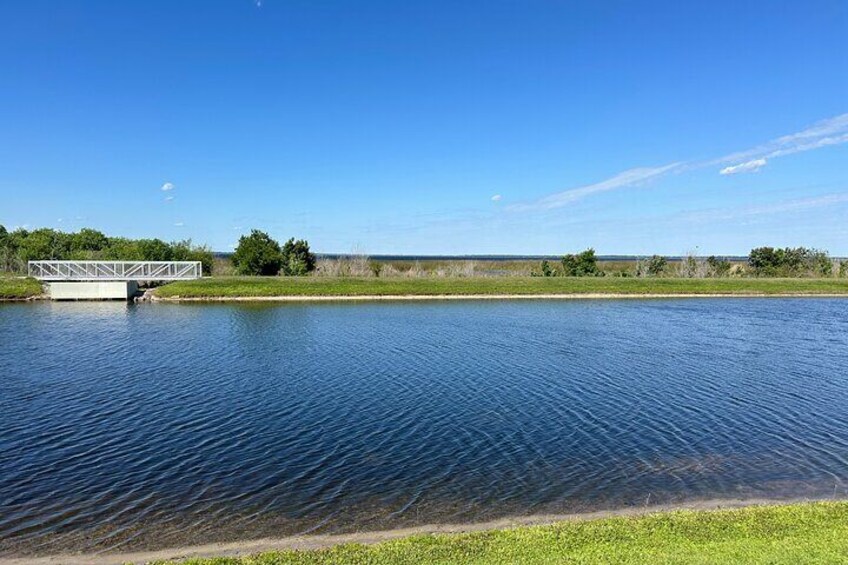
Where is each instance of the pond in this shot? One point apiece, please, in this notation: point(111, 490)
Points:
point(145, 426)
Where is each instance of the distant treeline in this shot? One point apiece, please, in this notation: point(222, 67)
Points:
point(259, 254)
point(761, 262)
point(20, 246)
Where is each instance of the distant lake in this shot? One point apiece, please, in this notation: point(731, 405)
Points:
point(130, 427)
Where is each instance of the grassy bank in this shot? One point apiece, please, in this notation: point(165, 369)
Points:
point(14, 288)
point(800, 533)
point(235, 287)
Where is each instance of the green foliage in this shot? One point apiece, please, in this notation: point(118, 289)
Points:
point(185, 251)
point(718, 267)
point(155, 250)
point(547, 271)
point(20, 246)
point(789, 262)
point(298, 260)
point(843, 268)
point(258, 254)
point(88, 240)
point(19, 288)
point(376, 268)
point(583, 264)
point(656, 265)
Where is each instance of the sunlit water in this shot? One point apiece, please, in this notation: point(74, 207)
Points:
point(127, 427)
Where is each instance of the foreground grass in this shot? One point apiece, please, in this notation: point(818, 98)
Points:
point(234, 287)
point(14, 288)
point(799, 533)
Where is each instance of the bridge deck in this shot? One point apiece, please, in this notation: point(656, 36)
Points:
point(115, 270)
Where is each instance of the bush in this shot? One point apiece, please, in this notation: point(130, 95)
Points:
point(656, 266)
point(718, 267)
point(185, 251)
point(789, 262)
point(583, 264)
point(258, 254)
point(297, 260)
point(547, 271)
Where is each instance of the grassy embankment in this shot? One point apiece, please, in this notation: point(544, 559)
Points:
point(799, 533)
point(246, 287)
point(17, 288)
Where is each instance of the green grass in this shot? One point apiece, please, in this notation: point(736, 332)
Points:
point(234, 287)
point(15, 288)
point(791, 534)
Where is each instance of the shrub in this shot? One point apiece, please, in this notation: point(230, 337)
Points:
point(583, 264)
point(691, 267)
point(718, 267)
point(185, 251)
point(258, 254)
point(297, 259)
point(789, 262)
point(656, 265)
point(547, 271)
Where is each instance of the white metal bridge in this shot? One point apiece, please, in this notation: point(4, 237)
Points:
point(115, 270)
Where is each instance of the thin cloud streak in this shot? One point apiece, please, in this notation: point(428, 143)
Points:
point(831, 131)
point(630, 177)
point(747, 167)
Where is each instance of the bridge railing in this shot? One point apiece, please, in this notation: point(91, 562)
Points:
point(115, 270)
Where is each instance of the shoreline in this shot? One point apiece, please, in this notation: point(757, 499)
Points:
point(433, 297)
point(443, 297)
point(321, 541)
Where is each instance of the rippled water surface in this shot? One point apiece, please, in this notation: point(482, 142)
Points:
point(124, 427)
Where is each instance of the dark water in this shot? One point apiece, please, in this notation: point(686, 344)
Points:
point(123, 427)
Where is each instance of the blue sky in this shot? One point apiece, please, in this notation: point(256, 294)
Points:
point(435, 127)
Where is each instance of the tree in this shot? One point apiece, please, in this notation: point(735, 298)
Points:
point(298, 260)
point(583, 264)
point(40, 244)
point(258, 254)
point(186, 251)
point(88, 240)
point(122, 249)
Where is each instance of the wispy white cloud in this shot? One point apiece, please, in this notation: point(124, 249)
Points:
point(631, 177)
point(179, 224)
point(496, 198)
point(169, 198)
point(167, 186)
point(747, 167)
point(832, 131)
